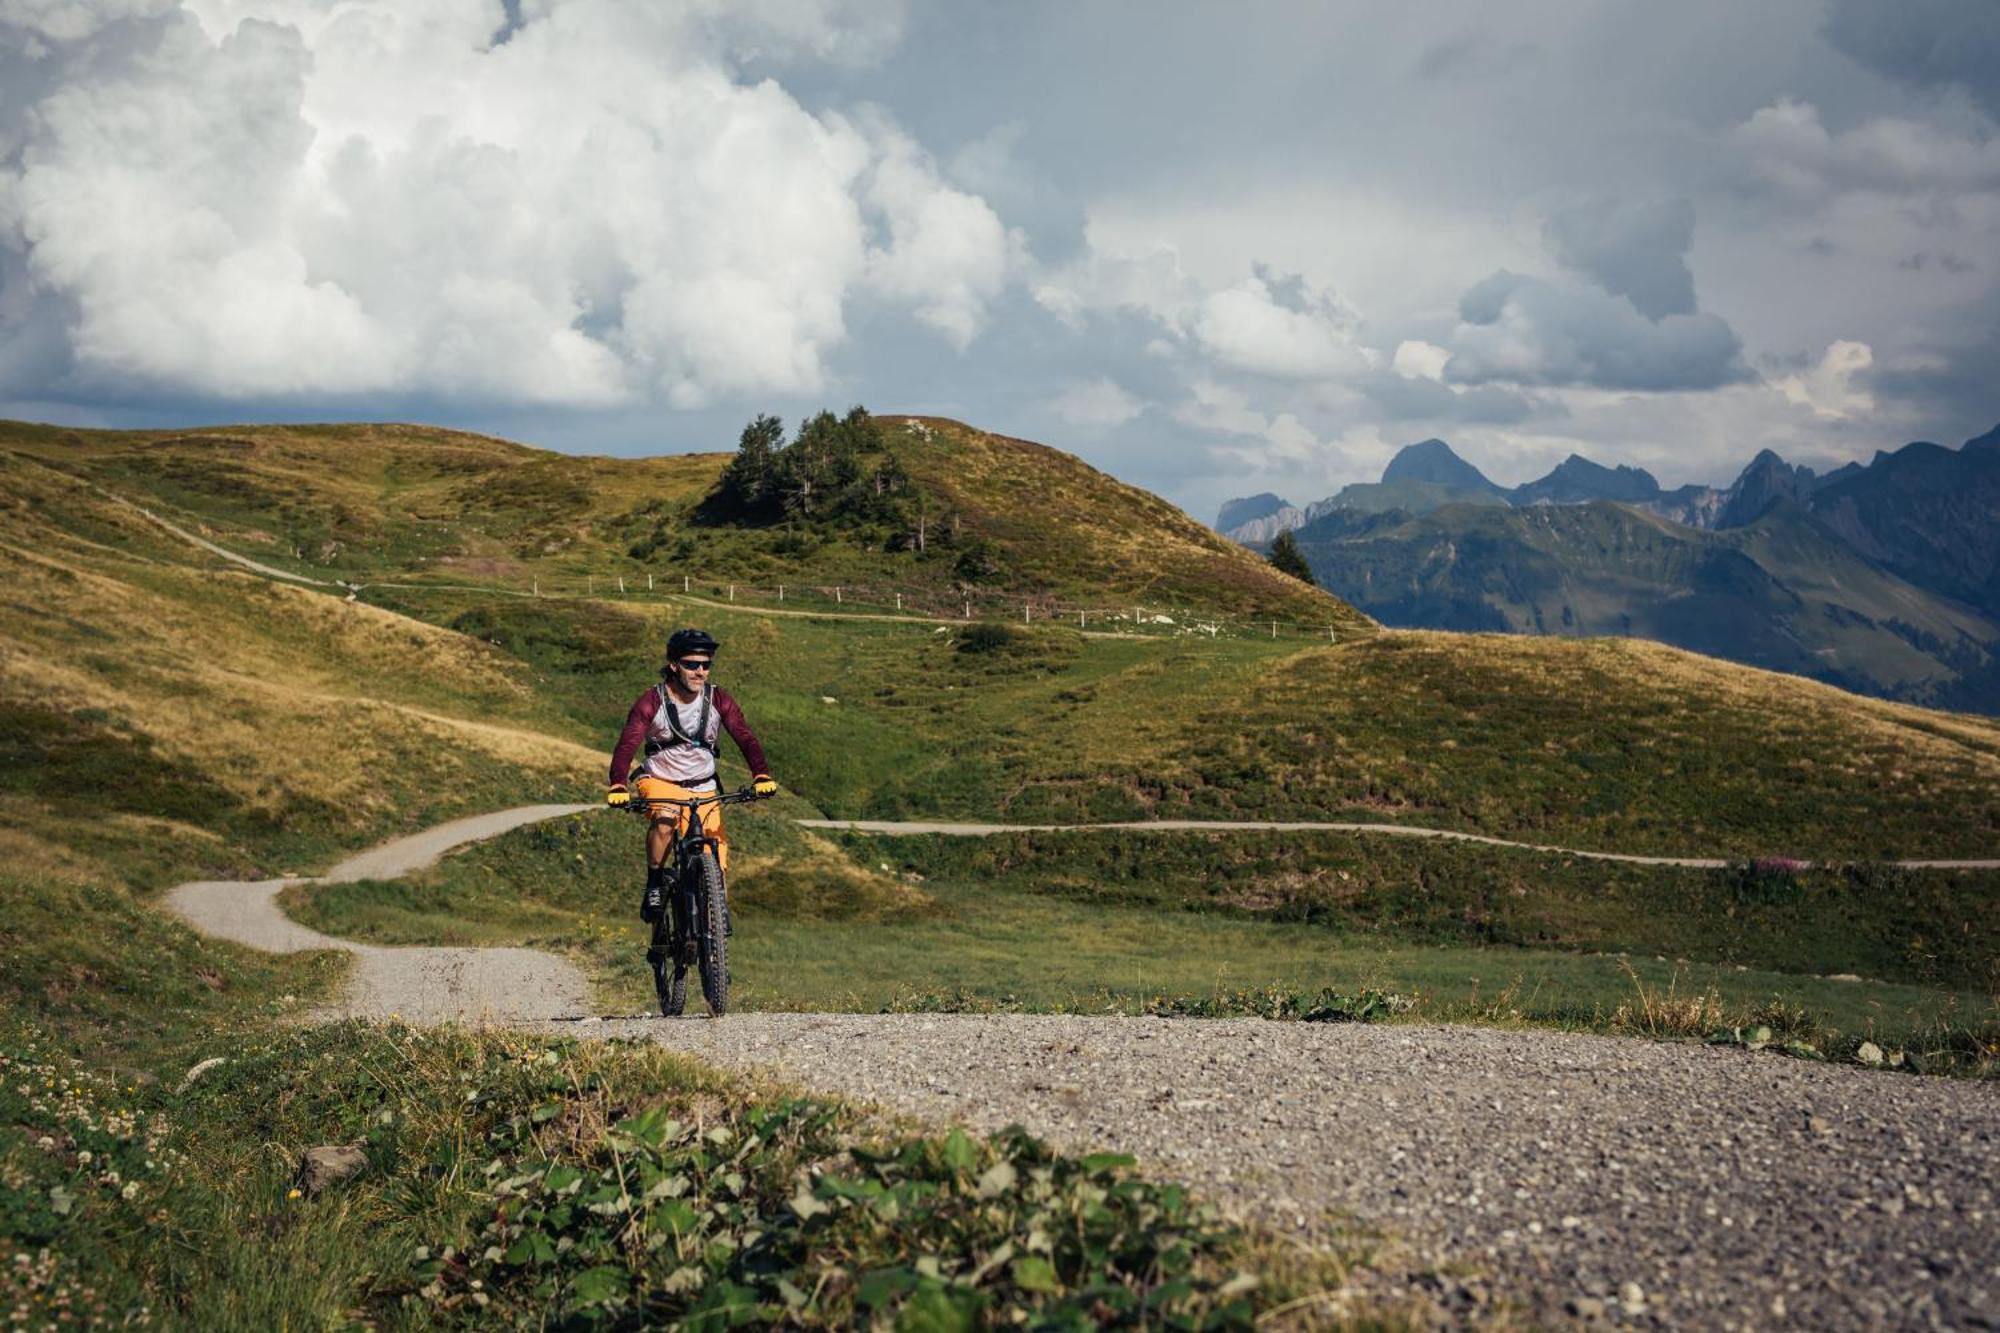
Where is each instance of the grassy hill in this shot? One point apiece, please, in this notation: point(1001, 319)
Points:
point(406, 503)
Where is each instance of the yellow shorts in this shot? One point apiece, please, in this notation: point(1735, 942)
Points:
point(654, 789)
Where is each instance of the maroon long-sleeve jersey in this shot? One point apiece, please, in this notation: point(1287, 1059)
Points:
point(644, 722)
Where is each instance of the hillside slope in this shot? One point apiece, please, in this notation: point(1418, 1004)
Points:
point(1495, 735)
point(1016, 522)
point(155, 702)
point(1782, 592)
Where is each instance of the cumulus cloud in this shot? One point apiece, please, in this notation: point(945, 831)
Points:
point(948, 255)
point(1281, 326)
point(1786, 146)
point(1108, 278)
point(1223, 409)
point(1416, 359)
point(1832, 387)
point(280, 197)
point(1534, 331)
point(1096, 404)
point(1636, 249)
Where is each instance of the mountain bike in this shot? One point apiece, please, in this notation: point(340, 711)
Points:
point(694, 930)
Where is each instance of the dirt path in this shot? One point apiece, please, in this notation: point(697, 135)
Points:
point(421, 985)
point(1585, 1177)
point(268, 571)
point(964, 830)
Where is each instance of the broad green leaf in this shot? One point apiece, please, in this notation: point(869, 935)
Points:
point(878, 1288)
point(996, 1180)
point(596, 1286)
point(957, 1150)
point(1034, 1273)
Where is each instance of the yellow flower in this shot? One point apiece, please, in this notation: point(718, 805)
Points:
point(291, 1194)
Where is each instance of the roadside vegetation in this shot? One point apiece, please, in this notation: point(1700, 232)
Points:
point(515, 1180)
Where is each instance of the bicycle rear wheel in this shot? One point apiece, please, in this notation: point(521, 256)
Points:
point(711, 939)
point(669, 977)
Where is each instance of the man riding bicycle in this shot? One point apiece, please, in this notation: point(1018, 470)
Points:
point(679, 722)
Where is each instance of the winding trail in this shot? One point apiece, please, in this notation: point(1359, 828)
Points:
point(422, 985)
point(965, 830)
point(1589, 1178)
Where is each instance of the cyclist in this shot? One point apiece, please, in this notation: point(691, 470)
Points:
point(679, 722)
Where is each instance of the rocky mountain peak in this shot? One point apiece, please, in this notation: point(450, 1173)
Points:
point(1435, 462)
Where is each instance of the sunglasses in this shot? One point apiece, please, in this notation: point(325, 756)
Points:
point(690, 664)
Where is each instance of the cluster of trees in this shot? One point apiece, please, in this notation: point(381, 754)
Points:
point(840, 474)
point(835, 468)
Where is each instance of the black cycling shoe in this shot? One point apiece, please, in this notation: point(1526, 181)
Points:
point(654, 901)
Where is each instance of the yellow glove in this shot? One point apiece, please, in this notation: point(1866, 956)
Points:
point(764, 785)
point(618, 797)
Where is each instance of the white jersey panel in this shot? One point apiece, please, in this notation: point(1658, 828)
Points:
point(675, 760)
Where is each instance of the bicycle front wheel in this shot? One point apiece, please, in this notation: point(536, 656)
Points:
point(712, 936)
point(669, 977)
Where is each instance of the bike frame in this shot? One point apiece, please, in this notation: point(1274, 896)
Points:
point(687, 847)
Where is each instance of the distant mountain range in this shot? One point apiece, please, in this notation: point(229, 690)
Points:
point(1884, 579)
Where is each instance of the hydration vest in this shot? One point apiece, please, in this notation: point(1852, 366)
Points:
point(704, 737)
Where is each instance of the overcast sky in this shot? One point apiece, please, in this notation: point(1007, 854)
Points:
point(1214, 249)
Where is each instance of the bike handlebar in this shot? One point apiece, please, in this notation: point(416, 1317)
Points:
point(742, 795)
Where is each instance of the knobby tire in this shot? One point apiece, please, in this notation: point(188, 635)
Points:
point(669, 977)
point(711, 939)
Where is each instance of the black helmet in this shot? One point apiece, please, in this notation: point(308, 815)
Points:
point(684, 641)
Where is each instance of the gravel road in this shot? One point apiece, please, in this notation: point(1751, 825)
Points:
point(1580, 1177)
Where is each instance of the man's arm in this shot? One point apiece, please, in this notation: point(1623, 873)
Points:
point(630, 739)
point(739, 731)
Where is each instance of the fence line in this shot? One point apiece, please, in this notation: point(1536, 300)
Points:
point(1171, 620)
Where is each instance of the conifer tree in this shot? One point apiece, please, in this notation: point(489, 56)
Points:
point(1286, 558)
point(750, 479)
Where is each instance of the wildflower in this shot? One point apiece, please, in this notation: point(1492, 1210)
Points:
point(291, 1194)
